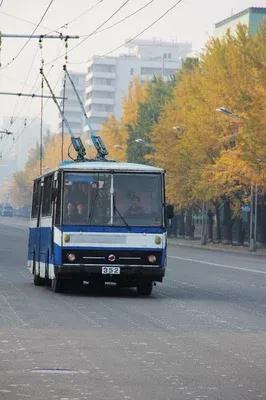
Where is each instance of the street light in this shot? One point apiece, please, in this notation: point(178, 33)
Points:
point(227, 112)
point(141, 141)
point(178, 129)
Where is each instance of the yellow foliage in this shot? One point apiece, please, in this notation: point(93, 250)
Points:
point(207, 155)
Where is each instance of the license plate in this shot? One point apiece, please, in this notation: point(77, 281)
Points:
point(110, 270)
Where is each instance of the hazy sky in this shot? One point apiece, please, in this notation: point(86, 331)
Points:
point(191, 20)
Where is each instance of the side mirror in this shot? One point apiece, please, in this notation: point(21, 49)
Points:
point(169, 211)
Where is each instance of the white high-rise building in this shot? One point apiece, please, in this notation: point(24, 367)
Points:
point(108, 78)
point(73, 111)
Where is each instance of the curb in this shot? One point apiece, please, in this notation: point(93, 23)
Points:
point(242, 251)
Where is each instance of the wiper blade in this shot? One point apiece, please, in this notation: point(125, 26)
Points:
point(120, 215)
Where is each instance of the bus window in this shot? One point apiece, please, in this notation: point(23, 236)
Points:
point(36, 199)
point(86, 198)
point(137, 199)
point(47, 196)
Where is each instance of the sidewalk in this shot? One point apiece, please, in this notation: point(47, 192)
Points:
point(18, 222)
point(225, 248)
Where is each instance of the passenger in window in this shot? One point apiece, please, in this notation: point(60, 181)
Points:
point(71, 213)
point(82, 214)
point(135, 207)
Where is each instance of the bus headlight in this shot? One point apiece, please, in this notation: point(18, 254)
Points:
point(152, 258)
point(66, 238)
point(158, 240)
point(71, 257)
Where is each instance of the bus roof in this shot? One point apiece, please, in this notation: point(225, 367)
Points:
point(108, 166)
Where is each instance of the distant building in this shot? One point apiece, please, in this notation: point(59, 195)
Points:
point(252, 17)
point(73, 111)
point(16, 148)
point(108, 78)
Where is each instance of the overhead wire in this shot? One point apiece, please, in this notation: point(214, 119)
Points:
point(134, 37)
point(29, 22)
point(126, 17)
point(22, 130)
point(117, 23)
point(23, 87)
point(13, 118)
point(144, 30)
point(28, 101)
point(86, 37)
point(81, 14)
point(32, 33)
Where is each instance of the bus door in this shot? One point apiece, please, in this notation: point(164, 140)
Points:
point(37, 230)
point(34, 239)
point(45, 226)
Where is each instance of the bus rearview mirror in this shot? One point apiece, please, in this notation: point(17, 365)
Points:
point(169, 211)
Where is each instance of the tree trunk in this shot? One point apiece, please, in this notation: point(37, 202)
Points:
point(210, 225)
point(182, 224)
point(218, 222)
point(227, 223)
point(240, 231)
point(189, 225)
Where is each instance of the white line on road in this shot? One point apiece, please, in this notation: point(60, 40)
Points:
point(256, 271)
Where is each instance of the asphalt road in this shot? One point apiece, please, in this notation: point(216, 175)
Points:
point(201, 335)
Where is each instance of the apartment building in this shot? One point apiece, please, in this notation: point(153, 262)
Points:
point(252, 17)
point(108, 78)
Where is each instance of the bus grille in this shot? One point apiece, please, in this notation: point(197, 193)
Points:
point(121, 257)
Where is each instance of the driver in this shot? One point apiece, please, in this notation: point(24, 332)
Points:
point(135, 207)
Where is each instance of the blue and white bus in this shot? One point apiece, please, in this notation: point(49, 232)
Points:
point(98, 222)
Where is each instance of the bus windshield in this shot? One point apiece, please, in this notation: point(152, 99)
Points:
point(121, 199)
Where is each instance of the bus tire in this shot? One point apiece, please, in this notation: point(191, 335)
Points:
point(37, 280)
point(145, 288)
point(57, 285)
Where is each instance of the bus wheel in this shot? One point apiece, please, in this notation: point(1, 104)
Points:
point(145, 288)
point(57, 285)
point(37, 280)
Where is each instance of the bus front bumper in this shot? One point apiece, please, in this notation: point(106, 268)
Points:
point(127, 273)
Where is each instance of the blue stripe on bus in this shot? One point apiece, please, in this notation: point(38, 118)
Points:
point(111, 229)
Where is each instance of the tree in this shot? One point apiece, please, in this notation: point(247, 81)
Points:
point(158, 93)
point(209, 157)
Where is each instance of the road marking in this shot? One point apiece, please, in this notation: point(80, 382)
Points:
point(256, 271)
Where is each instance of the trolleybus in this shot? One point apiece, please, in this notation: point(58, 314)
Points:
point(98, 221)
